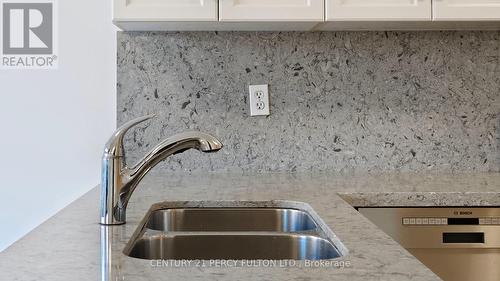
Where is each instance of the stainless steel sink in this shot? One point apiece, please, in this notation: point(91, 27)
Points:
point(238, 233)
point(233, 246)
point(231, 219)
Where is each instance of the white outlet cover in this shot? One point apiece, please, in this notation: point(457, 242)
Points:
point(259, 100)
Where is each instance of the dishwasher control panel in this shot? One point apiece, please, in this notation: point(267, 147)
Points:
point(451, 221)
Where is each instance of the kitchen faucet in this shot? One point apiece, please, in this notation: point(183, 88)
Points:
point(118, 181)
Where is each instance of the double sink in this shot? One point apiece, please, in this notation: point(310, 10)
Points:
point(237, 233)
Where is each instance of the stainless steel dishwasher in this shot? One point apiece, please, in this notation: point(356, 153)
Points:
point(458, 244)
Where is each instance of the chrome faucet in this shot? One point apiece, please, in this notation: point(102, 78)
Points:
point(118, 181)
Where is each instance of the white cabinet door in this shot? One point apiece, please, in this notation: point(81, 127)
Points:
point(165, 10)
point(378, 10)
point(271, 10)
point(466, 10)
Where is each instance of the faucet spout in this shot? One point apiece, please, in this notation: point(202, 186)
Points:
point(118, 181)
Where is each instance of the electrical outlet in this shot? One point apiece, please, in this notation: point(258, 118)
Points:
point(259, 100)
point(260, 105)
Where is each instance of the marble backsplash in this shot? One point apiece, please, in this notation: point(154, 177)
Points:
point(341, 101)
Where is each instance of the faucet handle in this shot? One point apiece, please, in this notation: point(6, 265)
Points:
point(114, 146)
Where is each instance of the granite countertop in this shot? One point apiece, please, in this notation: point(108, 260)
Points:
point(67, 246)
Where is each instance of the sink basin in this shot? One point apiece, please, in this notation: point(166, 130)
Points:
point(233, 246)
point(231, 219)
point(287, 232)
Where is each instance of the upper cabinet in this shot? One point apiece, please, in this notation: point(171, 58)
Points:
point(268, 15)
point(459, 10)
point(378, 10)
point(165, 10)
point(271, 10)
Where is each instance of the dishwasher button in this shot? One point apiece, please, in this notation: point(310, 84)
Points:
point(432, 221)
point(441, 221)
point(494, 220)
point(412, 220)
point(418, 221)
point(425, 221)
point(486, 221)
point(406, 221)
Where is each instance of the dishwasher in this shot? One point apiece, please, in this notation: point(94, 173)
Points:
point(457, 244)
